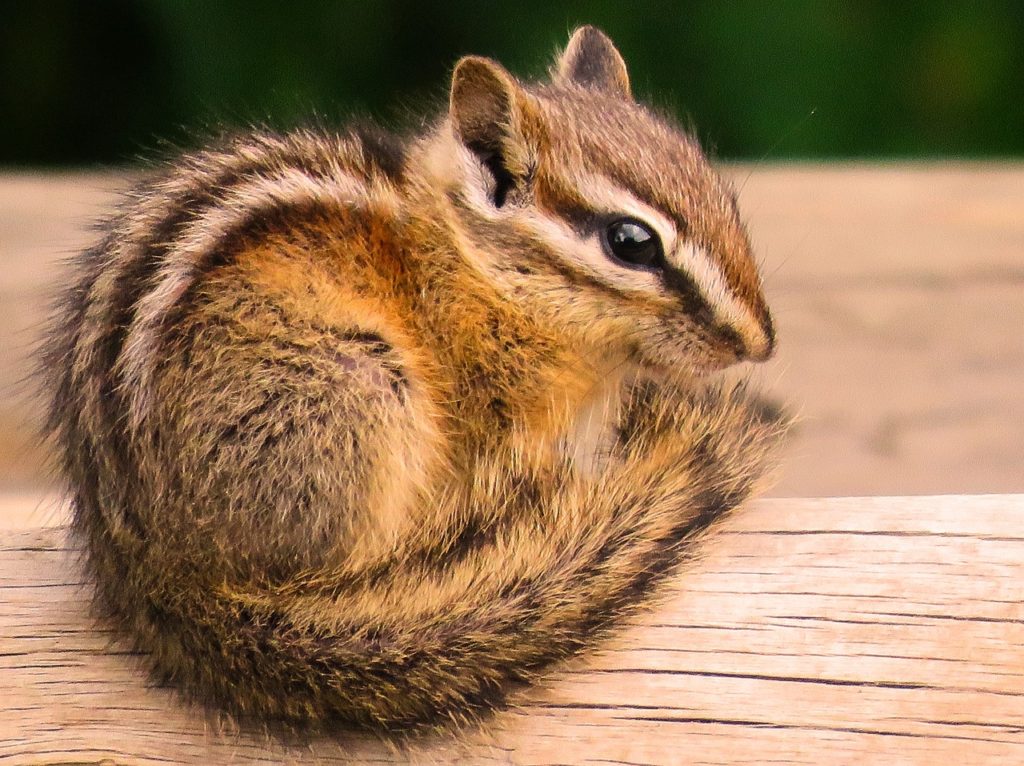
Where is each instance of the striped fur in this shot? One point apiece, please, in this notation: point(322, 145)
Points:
point(368, 431)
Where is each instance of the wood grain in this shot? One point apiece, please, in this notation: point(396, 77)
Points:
point(810, 631)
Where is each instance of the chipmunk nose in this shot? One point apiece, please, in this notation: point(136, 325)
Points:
point(755, 342)
point(761, 345)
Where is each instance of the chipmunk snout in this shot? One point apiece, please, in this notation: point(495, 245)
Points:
point(754, 343)
point(759, 346)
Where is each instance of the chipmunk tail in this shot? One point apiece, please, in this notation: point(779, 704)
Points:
point(443, 631)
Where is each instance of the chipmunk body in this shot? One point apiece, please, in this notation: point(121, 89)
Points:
point(369, 430)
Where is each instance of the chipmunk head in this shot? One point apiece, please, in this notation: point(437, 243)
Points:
point(601, 215)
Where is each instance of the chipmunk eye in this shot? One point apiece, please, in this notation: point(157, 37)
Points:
point(634, 242)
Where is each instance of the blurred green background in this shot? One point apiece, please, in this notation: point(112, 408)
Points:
point(102, 81)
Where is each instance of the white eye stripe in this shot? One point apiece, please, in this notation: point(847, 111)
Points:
point(712, 283)
point(706, 273)
point(587, 254)
point(605, 196)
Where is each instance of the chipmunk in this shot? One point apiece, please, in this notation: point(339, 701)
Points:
point(367, 432)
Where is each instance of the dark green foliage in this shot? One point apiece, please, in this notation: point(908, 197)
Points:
point(102, 81)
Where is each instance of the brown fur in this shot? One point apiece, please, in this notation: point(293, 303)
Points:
point(348, 444)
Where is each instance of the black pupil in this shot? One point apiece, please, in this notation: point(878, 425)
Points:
point(632, 242)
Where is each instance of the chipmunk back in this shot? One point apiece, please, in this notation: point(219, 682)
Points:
point(368, 430)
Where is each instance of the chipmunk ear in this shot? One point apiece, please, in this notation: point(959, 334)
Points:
point(592, 60)
point(486, 109)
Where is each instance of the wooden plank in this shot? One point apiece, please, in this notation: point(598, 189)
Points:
point(28, 510)
point(898, 294)
point(44, 219)
point(897, 291)
point(810, 631)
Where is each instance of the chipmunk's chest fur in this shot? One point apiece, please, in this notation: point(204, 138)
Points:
point(592, 429)
point(510, 386)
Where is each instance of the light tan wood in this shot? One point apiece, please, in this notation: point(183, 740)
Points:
point(899, 295)
point(44, 220)
point(898, 292)
point(882, 630)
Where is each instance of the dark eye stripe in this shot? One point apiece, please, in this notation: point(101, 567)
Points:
point(694, 303)
point(587, 221)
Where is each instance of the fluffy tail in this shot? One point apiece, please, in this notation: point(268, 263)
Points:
point(441, 631)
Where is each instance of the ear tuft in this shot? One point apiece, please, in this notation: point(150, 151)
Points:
point(482, 103)
point(485, 111)
point(592, 60)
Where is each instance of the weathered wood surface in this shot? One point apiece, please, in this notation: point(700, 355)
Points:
point(898, 292)
point(884, 630)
